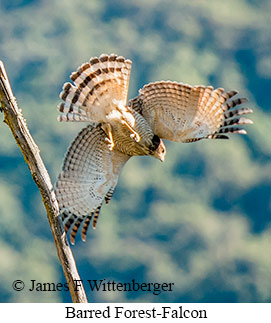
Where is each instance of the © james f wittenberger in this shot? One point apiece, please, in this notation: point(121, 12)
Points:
point(102, 285)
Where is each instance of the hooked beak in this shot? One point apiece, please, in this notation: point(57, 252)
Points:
point(160, 152)
point(162, 158)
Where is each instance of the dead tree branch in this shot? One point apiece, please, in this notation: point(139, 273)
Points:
point(14, 119)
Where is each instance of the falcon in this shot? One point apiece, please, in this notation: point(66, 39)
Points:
point(118, 130)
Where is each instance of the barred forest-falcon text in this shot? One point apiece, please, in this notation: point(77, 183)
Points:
point(119, 129)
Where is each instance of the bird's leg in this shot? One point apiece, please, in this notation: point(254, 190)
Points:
point(107, 128)
point(134, 134)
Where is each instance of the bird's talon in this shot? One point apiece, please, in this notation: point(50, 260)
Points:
point(110, 144)
point(135, 136)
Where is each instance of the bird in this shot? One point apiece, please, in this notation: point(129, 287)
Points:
point(119, 129)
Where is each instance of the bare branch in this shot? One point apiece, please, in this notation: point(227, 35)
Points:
point(14, 119)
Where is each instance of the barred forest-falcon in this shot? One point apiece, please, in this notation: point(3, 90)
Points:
point(119, 129)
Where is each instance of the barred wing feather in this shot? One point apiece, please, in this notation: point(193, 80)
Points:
point(98, 86)
point(89, 176)
point(184, 113)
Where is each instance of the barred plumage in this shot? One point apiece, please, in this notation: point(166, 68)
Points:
point(90, 172)
point(103, 82)
point(183, 113)
point(118, 130)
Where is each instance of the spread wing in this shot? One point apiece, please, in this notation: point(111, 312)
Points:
point(99, 86)
point(184, 113)
point(89, 176)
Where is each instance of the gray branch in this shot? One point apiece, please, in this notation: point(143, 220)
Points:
point(14, 119)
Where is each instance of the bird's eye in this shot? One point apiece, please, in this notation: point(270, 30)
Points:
point(155, 141)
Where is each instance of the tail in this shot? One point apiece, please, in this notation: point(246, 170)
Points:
point(96, 83)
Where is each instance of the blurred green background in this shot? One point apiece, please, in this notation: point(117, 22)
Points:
point(201, 219)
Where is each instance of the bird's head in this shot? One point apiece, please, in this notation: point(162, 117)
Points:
point(160, 149)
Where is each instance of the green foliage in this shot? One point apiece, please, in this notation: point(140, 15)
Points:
point(201, 219)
